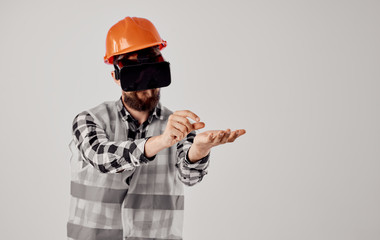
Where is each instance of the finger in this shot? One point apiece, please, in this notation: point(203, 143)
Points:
point(189, 114)
point(233, 136)
point(182, 120)
point(211, 137)
point(179, 126)
point(219, 136)
point(177, 134)
point(236, 134)
point(241, 132)
point(198, 125)
point(226, 136)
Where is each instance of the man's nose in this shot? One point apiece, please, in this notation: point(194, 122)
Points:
point(148, 92)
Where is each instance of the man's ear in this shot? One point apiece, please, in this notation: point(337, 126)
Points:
point(114, 79)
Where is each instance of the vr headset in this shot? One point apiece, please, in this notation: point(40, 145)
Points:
point(147, 71)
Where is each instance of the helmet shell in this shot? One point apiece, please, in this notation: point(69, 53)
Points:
point(129, 35)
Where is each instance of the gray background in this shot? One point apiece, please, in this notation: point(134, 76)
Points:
point(302, 77)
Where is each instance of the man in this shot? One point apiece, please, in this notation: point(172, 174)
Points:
point(130, 158)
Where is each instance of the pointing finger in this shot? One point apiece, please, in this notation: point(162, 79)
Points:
point(189, 114)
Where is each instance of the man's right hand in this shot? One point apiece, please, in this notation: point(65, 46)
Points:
point(179, 126)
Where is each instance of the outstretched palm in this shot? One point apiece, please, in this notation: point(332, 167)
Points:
point(212, 138)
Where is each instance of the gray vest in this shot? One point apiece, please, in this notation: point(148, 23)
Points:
point(104, 206)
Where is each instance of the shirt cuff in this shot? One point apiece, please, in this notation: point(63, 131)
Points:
point(200, 164)
point(136, 152)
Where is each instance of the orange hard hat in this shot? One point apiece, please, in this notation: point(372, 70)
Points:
point(131, 34)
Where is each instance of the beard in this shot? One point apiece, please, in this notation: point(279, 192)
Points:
point(132, 100)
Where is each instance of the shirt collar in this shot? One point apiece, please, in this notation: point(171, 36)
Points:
point(126, 116)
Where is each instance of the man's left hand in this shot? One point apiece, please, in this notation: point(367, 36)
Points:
point(203, 142)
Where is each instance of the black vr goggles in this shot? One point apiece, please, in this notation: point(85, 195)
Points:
point(148, 71)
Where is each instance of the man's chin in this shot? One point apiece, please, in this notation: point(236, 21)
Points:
point(142, 104)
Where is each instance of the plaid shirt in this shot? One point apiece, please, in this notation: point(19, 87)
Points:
point(92, 202)
point(114, 157)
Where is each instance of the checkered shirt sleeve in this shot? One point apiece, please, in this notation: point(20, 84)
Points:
point(106, 156)
point(190, 173)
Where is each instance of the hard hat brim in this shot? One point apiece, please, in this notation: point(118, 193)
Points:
point(109, 59)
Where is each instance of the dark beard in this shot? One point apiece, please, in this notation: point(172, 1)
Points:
point(136, 103)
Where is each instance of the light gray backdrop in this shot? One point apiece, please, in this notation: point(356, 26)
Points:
point(302, 77)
